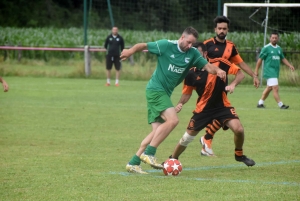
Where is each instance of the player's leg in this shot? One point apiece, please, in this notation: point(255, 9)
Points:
point(118, 66)
point(133, 165)
point(264, 96)
point(187, 138)
point(196, 124)
point(109, 63)
point(238, 130)
point(171, 121)
point(160, 109)
point(275, 88)
point(206, 140)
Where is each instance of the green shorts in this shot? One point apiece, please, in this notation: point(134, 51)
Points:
point(157, 102)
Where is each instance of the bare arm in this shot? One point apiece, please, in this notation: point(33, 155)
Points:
point(126, 53)
point(184, 99)
point(258, 64)
point(286, 62)
point(4, 84)
point(238, 78)
point(249, 71)
point(212, 69)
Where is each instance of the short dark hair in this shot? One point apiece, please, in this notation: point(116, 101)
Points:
point(191, 31)
point(274, 33)
point(200, 44)
point(220, 19)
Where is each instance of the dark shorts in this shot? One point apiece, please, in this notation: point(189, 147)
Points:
point(200, 120)
point(110, 60)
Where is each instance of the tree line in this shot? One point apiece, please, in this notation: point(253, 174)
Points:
point(167, 15)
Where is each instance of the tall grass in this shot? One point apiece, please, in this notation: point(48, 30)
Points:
point(141, 70)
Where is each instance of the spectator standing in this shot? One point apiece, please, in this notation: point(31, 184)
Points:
point(114, 44)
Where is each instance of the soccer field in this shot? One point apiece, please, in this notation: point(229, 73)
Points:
point(70, 139)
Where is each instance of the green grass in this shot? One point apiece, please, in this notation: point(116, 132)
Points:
point(70, 139)
point(141, 70)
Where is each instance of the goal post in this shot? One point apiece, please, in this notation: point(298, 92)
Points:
point(274, 5)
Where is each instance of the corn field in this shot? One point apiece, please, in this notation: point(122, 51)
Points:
point(73, 37)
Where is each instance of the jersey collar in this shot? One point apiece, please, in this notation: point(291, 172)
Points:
point(179, 48)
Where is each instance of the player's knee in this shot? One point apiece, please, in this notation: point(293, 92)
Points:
point(173, 121)
point(239, 130)
point(269, 88)
point(186, 139)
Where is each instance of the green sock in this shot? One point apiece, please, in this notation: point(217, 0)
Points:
point(135, 160)
point(150, 150)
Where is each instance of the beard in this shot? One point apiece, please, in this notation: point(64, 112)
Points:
point(221, 36)
point(182, 47)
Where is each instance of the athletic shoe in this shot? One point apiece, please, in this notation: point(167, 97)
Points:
point(107, 84)
point(260, 106)
point(206, 147)
point(135, 169)
point(284, 107)
point(204, 153)
point(117, 84)
point(244, 159)
point(151, 160)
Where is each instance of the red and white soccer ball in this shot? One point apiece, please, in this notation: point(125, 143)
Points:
point(172, 167)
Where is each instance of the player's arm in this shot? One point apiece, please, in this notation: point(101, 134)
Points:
point(287, 63)
point(126, 53)
point(257, 66)
point(239, 76)
point(4, 84)
point(183, 99)
point(249, 71)
point(212, 69)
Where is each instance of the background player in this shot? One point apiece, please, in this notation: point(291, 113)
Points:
point(272, 55)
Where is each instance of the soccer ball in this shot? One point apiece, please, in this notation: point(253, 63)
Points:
point(172, 167)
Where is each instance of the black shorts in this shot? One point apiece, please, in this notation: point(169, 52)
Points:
point(202, 119)
point(110, 60)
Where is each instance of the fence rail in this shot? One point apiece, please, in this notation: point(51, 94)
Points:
point(88, 49)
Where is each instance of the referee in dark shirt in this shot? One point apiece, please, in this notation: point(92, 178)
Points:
point(114, 44)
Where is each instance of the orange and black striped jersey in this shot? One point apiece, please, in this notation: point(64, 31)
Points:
point(226, 50)
point(210, 88)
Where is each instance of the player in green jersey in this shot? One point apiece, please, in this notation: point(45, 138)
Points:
point(174, 59)
point(272, 55)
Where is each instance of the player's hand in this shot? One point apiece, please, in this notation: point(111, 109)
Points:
point(126, 53)
point(256, 82)
point(178, 107)
point(230, 88)
point(221, 74)
point(5, 86)
point(292, 68)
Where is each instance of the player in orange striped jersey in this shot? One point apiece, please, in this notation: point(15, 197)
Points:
point(212, 106)
point(219, 47)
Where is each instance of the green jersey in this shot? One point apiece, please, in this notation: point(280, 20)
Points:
point(272, 55)
point(172, 64)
